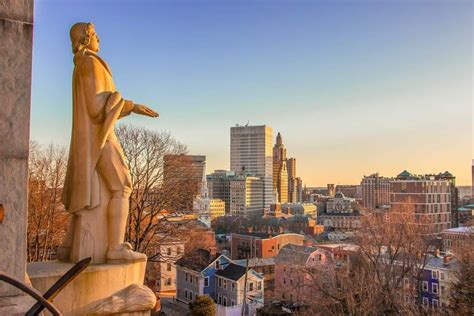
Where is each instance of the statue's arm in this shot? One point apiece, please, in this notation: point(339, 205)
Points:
point(127, 108)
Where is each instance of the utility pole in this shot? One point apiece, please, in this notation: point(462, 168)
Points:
point(244, 302)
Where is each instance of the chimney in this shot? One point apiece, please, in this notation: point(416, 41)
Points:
point(437, 253)
point(212, 251)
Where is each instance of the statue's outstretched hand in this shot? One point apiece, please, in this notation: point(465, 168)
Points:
point(144, 110)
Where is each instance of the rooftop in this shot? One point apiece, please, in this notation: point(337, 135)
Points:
point(462, 230)
point(197, 260)
point(295, 254)
point(232, 272)
point(256, 262)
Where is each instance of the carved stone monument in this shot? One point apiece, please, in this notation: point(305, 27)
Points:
point(96, 193)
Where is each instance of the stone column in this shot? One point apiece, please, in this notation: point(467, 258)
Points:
point(16, 38)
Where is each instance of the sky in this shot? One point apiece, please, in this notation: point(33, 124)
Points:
point(354, 87)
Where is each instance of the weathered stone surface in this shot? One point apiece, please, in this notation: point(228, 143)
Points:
point(16, 305)
point(15, 87)
point(13, 182)
point(132, 299)
point(93, 285)
point(20, 10)
point(16, 35)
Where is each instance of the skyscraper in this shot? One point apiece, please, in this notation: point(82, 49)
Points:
point(292, 183)
point(280, 173)
point(251, 152)
point(472, 183)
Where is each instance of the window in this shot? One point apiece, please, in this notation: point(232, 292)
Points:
point(206, 281)
point(219, 299)
point(425, 301)
point(233, 286)
point(219, 282)
point(435, 303)
point(190, 295)
point(425, 286)
point(168, 281)
point(320, 257)
point(442, 276)
point(251, 286)
point(178, 250)
point(434, 274)
point(185, 293)
point(217, 265)
point(284, 280)
point(434, 288)
point(168, 251)
point(224, 301)
point(186, 276)
point(168, 266)
point(232, 303)
point(259, 285)
point(225, 284)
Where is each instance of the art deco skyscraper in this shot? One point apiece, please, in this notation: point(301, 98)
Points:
point(251, 152)
point(280, 173)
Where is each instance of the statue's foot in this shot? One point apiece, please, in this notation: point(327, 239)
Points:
point(125, 254)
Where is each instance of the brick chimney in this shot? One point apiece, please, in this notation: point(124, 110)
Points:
point(213, 251)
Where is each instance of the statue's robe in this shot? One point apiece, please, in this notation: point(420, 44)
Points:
point(96, 108)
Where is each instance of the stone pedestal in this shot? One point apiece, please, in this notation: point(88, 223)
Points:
point(101, 289)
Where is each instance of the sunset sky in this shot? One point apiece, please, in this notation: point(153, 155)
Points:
point(355, 87)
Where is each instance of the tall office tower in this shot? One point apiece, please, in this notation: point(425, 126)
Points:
point(219, 187)
point(186, 172)
point(299, 189)
point(292, 185)
point(251, 151)
point(428, 198)
point(454, 195)
point(375, 191)
point(241, 193)
point(472, 183)
point(280, 173)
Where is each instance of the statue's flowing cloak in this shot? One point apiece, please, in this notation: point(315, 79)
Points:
point(96, 108)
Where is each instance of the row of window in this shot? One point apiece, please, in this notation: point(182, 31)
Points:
point(434, 287)
point(191, 278)
point(222, 300)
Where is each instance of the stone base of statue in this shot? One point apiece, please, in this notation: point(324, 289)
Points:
point(101, 289)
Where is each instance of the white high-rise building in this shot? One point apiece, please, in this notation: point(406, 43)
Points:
point(251, 151)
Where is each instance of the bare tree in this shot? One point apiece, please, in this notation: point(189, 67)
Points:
point(462, 290)
point(47, 218)
point(155, 188)
point(383, 276)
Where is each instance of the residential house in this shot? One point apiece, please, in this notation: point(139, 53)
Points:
point(296, 267)
point(195, 273)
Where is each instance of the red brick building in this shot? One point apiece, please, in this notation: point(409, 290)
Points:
point(261, 245)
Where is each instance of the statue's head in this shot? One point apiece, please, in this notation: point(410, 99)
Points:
point(82, 36)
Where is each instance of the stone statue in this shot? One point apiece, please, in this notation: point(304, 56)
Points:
point(98, 183)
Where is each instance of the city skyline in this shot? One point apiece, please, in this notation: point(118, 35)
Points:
point(373, 87)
